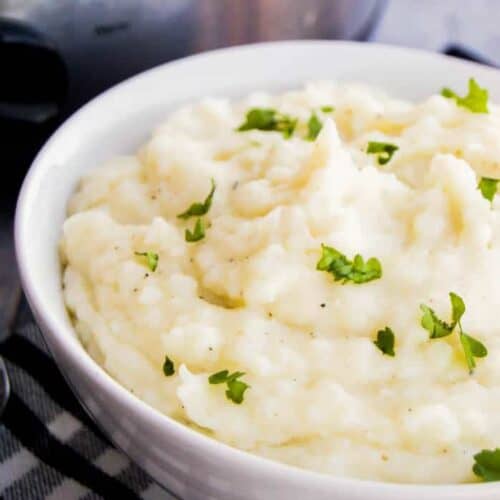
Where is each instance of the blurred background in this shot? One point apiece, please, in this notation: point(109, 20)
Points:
point(55, 55)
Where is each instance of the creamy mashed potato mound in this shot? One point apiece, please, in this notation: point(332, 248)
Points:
point(248, 297)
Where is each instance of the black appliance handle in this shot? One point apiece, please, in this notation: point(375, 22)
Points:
point(17, 37)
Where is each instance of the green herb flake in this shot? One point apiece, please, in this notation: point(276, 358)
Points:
point(383, 150)
point(475, 101)
point(151, 258)
point(488, 187)
point(219, 377)
point(268, 120)
point(314, 127)
point(472, 349)
point(358, 271)
point(235, 388)
point(327, 109)
point(286, 126)
point(168, 367)
point(457, 307)
point(198, 209)
point(487, 465)
point(438, 328)
point(385, 341)
point(259, 119)
point(197, 234)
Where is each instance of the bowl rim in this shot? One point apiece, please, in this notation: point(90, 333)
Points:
point(60, 334)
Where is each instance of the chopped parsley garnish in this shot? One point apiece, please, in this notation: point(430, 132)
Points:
point(475, 101)
point(151, 259)
point(383, 150)
point(487, 465)
point(235, 388)
point(268, 120)
point(219, 377)
point(314, 127)
point(435, 326)
point(488, 187)
point(260, 119)
point(197, 209)
point(168, 367)
point(438, 328)
point(356, 270)
point(472, 349)
point(385, 341)
point(457, 308)
point(327, 109)
point(197, 234)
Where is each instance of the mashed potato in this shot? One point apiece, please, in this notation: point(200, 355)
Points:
point(247, 296)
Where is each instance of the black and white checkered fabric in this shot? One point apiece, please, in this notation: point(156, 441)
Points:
point(49, 447)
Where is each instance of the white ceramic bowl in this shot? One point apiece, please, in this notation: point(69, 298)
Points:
point(190, 464)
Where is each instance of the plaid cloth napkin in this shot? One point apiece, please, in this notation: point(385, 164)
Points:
point(49, 447)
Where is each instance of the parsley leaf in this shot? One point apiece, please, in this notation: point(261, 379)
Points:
point(235, 375)
point(197, 209)
point(488, 187)
point(457, 308)
point(327, 109)
point(487, 465)
point(268, 120)
point(383, 150)
point(168, 367)
point(287, 126)
point(151, 259)
point(438, 328)
point(385, 341)
point(314, 127)
point(475, 101)
point(435, 326)
point(260, 119)
point(219, 377)
point(472, 349)
point(197, 234)
point(235, 388)
point(358, 271)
